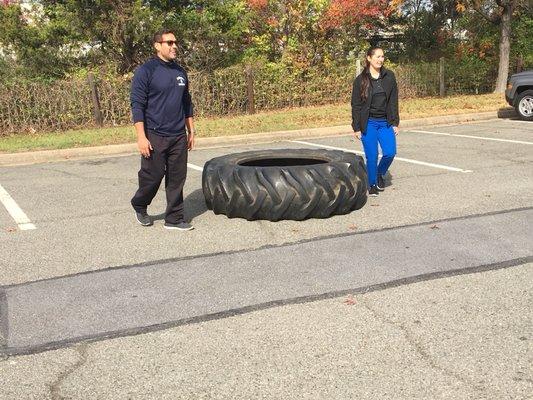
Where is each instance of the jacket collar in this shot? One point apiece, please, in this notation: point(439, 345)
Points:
point(382, 73)
point(167, 63)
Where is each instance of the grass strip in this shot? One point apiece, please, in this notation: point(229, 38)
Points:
point(288, 119)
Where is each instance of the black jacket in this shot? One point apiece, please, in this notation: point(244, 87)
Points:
point(361, 110)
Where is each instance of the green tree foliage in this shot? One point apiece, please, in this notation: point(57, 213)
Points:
point(50, 39)
point(522, 37)
point(310, 32)
point(500, 13)
point(286, 29)
point(427, 28)
point(212, 33)
point(56, 37)
point(36, 42)
point(116, 31)
point(477, 36)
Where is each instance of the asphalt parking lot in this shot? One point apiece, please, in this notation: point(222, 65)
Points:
point(84, 222)
point(460, 201)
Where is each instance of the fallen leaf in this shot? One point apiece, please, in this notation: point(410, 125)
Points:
point(350, 301)
point(435, 227)
point(352, 227)
point(374, 205)
point(10, 229)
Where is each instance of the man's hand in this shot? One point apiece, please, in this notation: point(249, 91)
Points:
point(396, 130)
point(358, 135)
point(190, 140)
point(144, 146)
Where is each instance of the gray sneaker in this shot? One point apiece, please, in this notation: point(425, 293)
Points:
point(143, 218)
point(373, 191)
point(180, 226)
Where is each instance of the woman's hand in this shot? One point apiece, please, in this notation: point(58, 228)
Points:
point(396, 130)
point(358, 135)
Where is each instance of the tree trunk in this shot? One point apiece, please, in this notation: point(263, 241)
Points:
point(505, 49)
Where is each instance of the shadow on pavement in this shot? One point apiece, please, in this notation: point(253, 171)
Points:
point(507, 113)
point(194, 206)
point(388, 179)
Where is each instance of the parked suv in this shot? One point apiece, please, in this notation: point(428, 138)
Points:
point(519, 94)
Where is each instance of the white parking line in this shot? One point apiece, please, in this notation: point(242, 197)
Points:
point(440, 166)
point(15, 211)
point(196, 167)
point(471, 136)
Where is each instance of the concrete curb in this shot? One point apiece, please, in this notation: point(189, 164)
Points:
point(43, 156)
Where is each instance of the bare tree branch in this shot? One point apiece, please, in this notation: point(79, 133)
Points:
point(494, 18)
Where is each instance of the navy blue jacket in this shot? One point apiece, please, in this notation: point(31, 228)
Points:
point(361, 109)
point(160, 97)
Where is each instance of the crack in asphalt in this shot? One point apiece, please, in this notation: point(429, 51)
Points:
point(79, 176)
point(13, 352)
point(55, 387)
point(421, 351)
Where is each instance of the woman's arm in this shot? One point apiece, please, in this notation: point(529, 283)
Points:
point(394, 103)
point(356, 105)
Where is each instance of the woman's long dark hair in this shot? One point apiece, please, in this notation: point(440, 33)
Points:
point(365, 83)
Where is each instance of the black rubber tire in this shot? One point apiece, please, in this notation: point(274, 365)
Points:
point(336, 184)
point(521, 97)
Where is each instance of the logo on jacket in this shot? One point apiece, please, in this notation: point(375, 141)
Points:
point(181, 80)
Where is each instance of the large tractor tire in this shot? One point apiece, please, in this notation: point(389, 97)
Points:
point(285, 184)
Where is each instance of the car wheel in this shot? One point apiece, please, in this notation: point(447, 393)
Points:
point(524, 105)
point(292, 184)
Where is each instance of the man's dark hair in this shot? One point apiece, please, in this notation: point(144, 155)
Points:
point(158, 36)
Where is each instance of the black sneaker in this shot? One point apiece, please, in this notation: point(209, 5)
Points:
point(373, 191)
point(180, 226)
point(143, 218)
point(381, 183)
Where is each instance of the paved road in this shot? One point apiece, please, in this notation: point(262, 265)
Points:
point(159, 295)
point(460, 201)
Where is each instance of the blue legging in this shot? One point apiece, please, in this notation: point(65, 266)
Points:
point(378, 131)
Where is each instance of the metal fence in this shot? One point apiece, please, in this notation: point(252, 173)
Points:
point(72, 104)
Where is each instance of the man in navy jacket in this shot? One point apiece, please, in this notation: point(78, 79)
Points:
point(163, 117)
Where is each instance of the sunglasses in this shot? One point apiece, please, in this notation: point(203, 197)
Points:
point(169, 43)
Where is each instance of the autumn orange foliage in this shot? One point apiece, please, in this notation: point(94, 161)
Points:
point(350, 12)
point(257, 4)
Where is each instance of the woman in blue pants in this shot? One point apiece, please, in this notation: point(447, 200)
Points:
point(375, 116)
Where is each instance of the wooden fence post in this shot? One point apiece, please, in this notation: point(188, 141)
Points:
point(98, 118)
point(442, 88)
point(519, 63)
point(249, 75)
